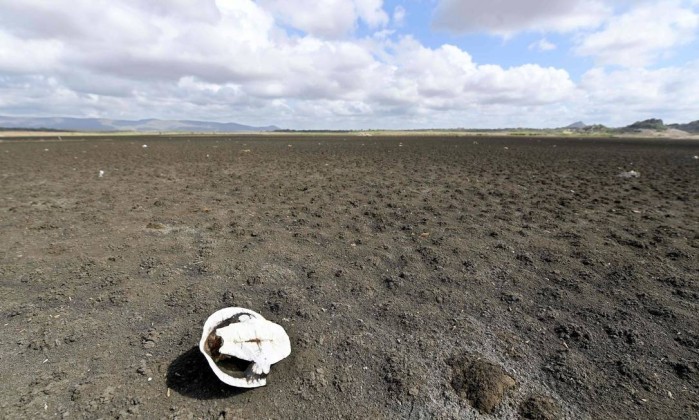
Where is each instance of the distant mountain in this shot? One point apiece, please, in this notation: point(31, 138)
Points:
point(650, 124)
point(106, 125)
point(692, 127)
point(576, 125)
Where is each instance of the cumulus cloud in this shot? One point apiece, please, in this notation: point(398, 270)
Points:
point(668, 92)
point(542, 45)
point(448, 77)
point(265, 62)
point(19, 55)
point(327, 18)
point(642, 35)
point(234, 58)
point(506, 17)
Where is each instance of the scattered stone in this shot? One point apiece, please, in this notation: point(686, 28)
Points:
point(150, 338)
point(143, 369)
point(510, 297)
point(231, 414)
point(540, 407)
point(482, 383)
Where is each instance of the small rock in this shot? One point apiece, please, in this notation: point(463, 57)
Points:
point(629, 174)
point(151, 335)
point(143, 369)
point(510, 297)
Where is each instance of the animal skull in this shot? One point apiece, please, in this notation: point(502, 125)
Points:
point(235, 335)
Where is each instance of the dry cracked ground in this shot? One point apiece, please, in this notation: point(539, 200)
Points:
point(417, 277)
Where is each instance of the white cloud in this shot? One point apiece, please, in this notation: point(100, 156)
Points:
point(371, 12)
point(542, 45)
point(21, 56)
point(399, 13)
point(506, 17)
point(327, 18)
point(622, 96)
point(448, 77)
point(642, 35)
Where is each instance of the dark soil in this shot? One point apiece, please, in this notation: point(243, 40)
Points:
point(383, 258)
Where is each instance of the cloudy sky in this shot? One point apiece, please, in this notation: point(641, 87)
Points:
point(353, 63)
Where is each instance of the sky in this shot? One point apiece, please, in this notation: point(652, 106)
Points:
point(353, 64)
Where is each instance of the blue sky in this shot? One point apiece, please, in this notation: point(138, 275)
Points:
point(353, 63)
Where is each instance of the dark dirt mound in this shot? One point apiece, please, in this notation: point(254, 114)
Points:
point(540, 407)
point(482, 383)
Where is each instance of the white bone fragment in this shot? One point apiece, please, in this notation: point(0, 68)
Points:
point(232, 335)
point(629, 174)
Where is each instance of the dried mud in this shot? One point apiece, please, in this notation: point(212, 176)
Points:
point(384, 259)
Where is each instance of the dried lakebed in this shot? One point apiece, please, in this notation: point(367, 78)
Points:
point(411, 274)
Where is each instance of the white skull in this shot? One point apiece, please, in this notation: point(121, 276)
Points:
point(232, 335)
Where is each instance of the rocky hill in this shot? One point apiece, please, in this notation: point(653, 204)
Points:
point(692, 127)
point(576, 125)
point(649, 124)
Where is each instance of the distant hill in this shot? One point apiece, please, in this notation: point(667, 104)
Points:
point(576, 126)
point(596, 128)
point(692, 127)
point(106, 125)
point(649, 124)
